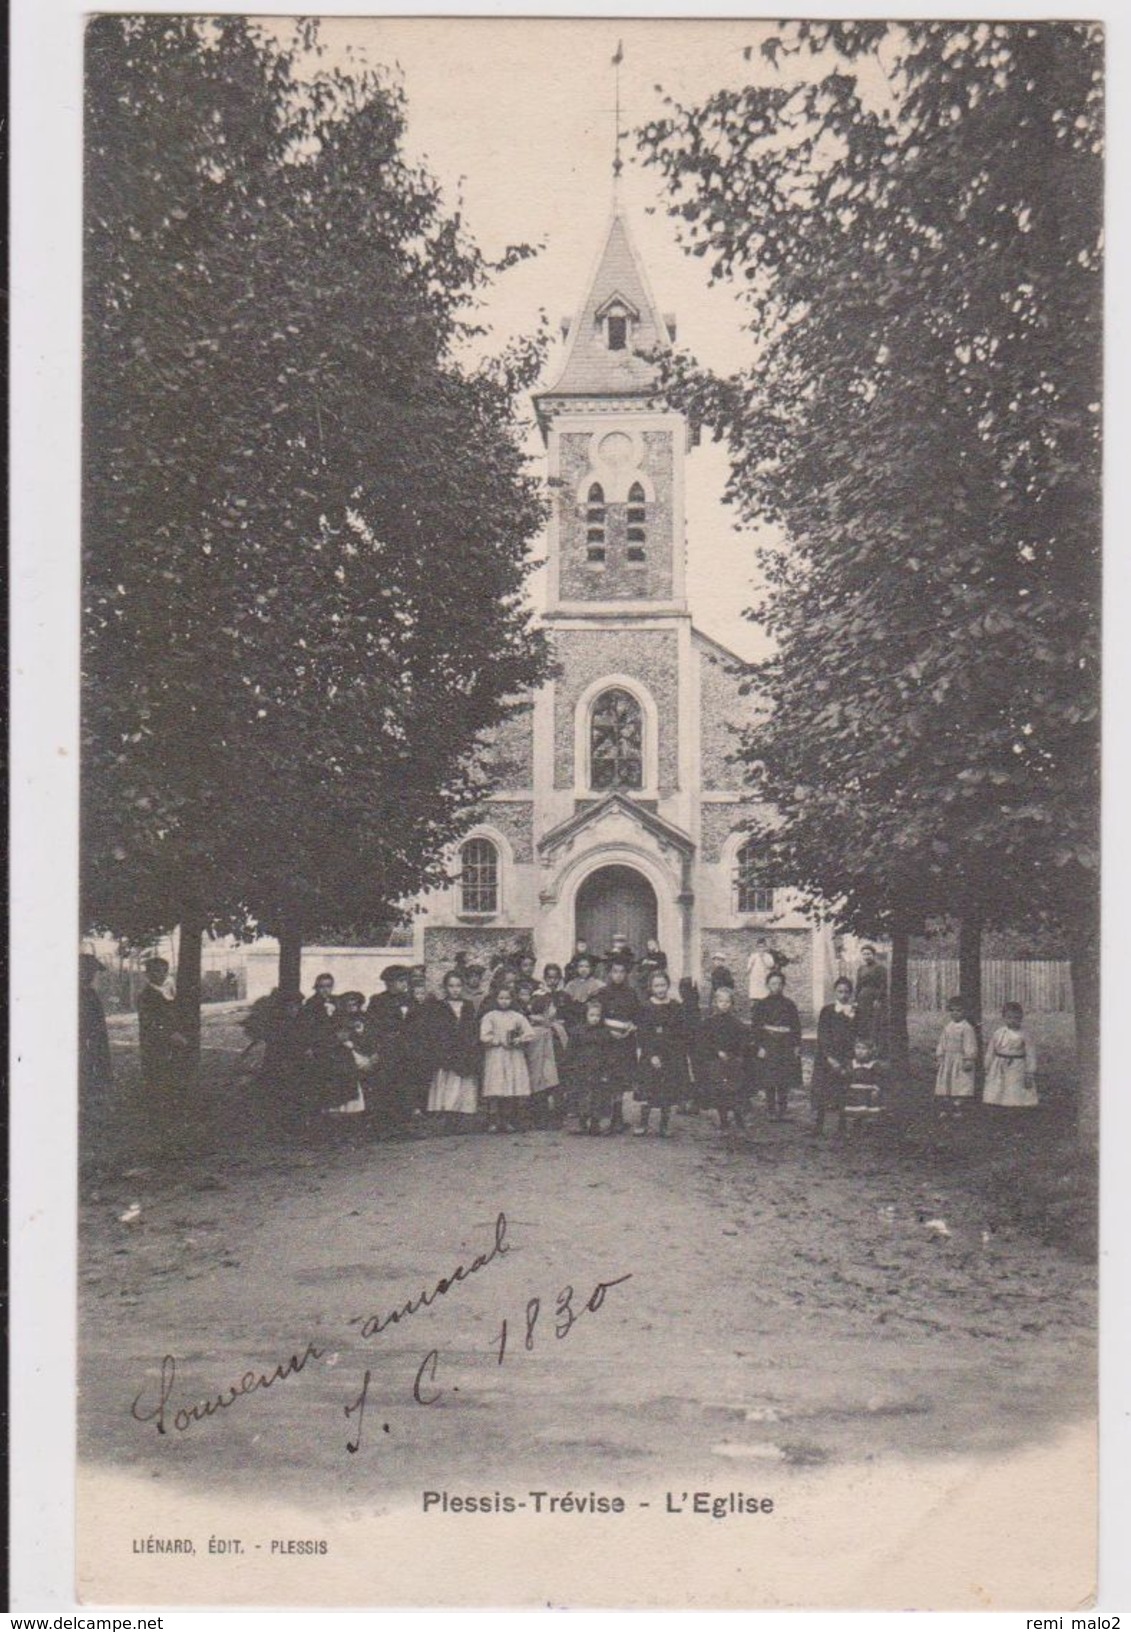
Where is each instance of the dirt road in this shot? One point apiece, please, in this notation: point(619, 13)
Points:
point(790, 1304)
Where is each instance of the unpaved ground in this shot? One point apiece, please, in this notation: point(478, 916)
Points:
point(791, 1304)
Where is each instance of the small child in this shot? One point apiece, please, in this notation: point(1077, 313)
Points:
point(862, 1096)
point(720, 1055)
point(957, 1052)
point(541, 1061)
point(504, 1033)
point(591, 1069)
point(342, 1064)
point(1011, 1062)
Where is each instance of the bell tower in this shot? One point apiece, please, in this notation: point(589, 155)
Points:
point(615, 453)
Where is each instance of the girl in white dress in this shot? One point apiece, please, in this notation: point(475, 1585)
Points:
point(957, 1053)
point(504, 1032)
point(1011, 1062)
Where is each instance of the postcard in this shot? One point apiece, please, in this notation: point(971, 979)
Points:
point(588, 960)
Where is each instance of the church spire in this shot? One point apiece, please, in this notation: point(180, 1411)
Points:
point(616, 328)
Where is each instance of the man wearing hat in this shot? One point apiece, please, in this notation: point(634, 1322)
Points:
point(95, 1072)
point(162, 1046)
point(721, 974)
point(317, 1033)
point(388, 1021)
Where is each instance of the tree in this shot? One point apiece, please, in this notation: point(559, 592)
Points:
point(306, 517)
point(921, 266)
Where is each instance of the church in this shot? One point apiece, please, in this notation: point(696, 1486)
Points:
point(617, 809)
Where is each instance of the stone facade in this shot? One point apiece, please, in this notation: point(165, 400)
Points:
point(717, 823)
point(723, 707)
point(567, 852)
point(514, 818)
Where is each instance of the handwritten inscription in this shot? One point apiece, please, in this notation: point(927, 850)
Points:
point(565, 1316)
point(250, 1383)
point(373, 1325)
point(160, 1410)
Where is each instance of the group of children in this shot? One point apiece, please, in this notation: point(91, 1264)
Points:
point(525, 1051)
point(1009, 1061)
point(522, 1051)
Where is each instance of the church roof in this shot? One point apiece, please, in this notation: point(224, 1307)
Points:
point(619, 283)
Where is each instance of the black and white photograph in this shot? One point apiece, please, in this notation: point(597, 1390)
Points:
point(588, 948)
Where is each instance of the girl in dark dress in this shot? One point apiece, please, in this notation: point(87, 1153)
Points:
point(453, 1050)
point(662, 1070)
point(592, 1068)
point(720, 1058)
point(622, 1011)
point(837, 1026)
point(777, 1046)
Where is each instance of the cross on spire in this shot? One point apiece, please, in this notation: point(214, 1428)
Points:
point(618, 162)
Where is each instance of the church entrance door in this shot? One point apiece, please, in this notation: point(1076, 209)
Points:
point(616, 901)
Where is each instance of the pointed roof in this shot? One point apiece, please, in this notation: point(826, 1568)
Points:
point(610, 802)
point(590, 369)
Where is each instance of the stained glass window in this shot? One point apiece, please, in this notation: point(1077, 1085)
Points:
point(479, 876)
point(616, 741)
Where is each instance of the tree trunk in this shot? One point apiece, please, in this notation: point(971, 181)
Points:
point(290, 959)
point(970, 964)
point(188, 989)
point(898, 1044)
point(1084, 952)
point(970, 980)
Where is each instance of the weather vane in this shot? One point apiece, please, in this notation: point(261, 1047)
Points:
point(618, 162)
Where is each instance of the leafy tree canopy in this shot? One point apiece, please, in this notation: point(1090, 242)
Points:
point(306, 517)
point(913, 214)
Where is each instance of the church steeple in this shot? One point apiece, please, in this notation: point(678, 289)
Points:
point(615, 451)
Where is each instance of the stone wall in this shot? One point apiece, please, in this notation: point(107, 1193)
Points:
point(514, 818)
point(722, 708)
point(736, 945)
point(716, 824)
point(616, 578)
point(509, 749)
point(648, 655)
point(479, 945)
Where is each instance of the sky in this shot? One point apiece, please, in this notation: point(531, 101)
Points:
point(515, 118)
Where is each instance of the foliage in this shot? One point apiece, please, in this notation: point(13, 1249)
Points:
point(305, 519)
point(913, 215)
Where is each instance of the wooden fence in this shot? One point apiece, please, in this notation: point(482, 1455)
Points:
point(1040, 985)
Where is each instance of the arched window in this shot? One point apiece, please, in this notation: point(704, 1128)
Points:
point(635, 516)
point(595, 524)
point(616, 741)
point(479, 877)
point(752, 893)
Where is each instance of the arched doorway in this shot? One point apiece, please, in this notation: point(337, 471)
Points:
point(615, 901)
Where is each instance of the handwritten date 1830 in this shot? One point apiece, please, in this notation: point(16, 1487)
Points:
point(565, 1316)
